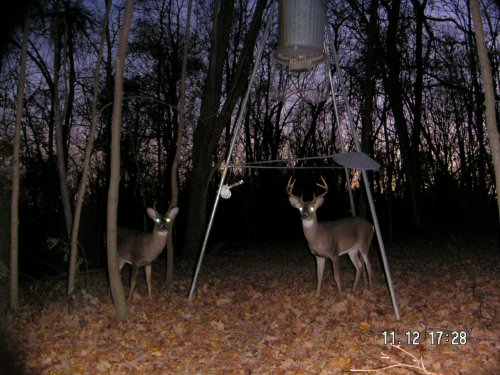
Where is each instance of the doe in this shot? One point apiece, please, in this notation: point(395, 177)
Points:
point(140, 249)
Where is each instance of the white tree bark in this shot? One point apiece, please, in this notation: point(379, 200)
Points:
point(489, 94)
point(114, 181)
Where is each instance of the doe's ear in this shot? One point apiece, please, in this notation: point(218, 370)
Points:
point(172, 213)
point(152, 213)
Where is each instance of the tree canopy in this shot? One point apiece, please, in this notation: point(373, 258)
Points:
point(413, 82)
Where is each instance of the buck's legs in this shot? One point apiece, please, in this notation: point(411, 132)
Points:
point(320, 267)
point(147, 270)
point(368, 267)
point(365, 281)
point(336, 272)
point(358, 264)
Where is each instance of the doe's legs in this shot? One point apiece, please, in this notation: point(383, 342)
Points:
point(133, 279)
point(147, 271)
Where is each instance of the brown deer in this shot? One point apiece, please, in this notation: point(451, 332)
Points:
point(330, 239)
point(140, 249)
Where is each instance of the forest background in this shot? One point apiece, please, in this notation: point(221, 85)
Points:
point(413, 84)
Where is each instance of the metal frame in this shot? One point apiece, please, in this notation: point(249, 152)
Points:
point(236, 132)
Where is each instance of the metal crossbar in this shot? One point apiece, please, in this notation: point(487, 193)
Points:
point(267, 164)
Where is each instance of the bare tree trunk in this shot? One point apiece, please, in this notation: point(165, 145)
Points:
point(14, 208)
point(476, 123)
point(202, 155)
point(86, 165)
point(180, 133)
point(368, 86)
point(393, 86)
point(489, 94)
point(418, 84)
point(114, 181)
point(60, 153)
point(389, 167)
point(214, 119)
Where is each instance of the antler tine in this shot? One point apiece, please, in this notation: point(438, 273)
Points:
point(324, 186)
point(289, 187)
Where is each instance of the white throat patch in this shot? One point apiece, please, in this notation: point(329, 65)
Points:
point(307, 223)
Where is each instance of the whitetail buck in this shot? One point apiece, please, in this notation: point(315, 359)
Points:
point(140, 249)
point(329, 239)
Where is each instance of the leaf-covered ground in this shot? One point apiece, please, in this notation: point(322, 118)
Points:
point(255, 312)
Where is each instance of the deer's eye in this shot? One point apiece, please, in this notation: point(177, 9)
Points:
point(300, 209)
point(158, 221)
point(311, 209)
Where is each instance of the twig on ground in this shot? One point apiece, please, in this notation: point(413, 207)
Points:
point(418, 367)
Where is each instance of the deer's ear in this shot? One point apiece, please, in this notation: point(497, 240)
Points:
point(318, 202)
point(152, 213)
point(173, 212)
point(294, 202)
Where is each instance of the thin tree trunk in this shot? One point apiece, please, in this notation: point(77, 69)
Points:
point(309, 137)
point(88, 153)
point(368, 86)
point(14, 208)
point(60, 153)
point(477, 112)
point(418, 84)
point(489, 94)
point(214, 119)
point(202, 155)
point(180, 134)
point(114, 181)
point(389, 167)
point(393, 85)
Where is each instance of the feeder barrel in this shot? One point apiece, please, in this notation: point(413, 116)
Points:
point(301, 34)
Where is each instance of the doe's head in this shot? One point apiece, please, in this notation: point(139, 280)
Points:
point(162, 221)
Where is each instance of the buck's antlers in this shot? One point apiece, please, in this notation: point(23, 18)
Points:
point(291, 183)
point(324, 186)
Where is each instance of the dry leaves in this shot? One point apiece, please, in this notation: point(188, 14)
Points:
point(255, 311)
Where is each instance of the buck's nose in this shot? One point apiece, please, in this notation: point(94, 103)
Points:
point(162, 226)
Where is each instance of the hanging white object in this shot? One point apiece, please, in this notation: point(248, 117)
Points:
point(225, 192)
point(301, 34)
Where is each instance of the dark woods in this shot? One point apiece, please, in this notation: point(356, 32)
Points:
point(413, 84)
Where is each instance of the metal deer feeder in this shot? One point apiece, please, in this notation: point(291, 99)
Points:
point(301, 34)
point(301, 46)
